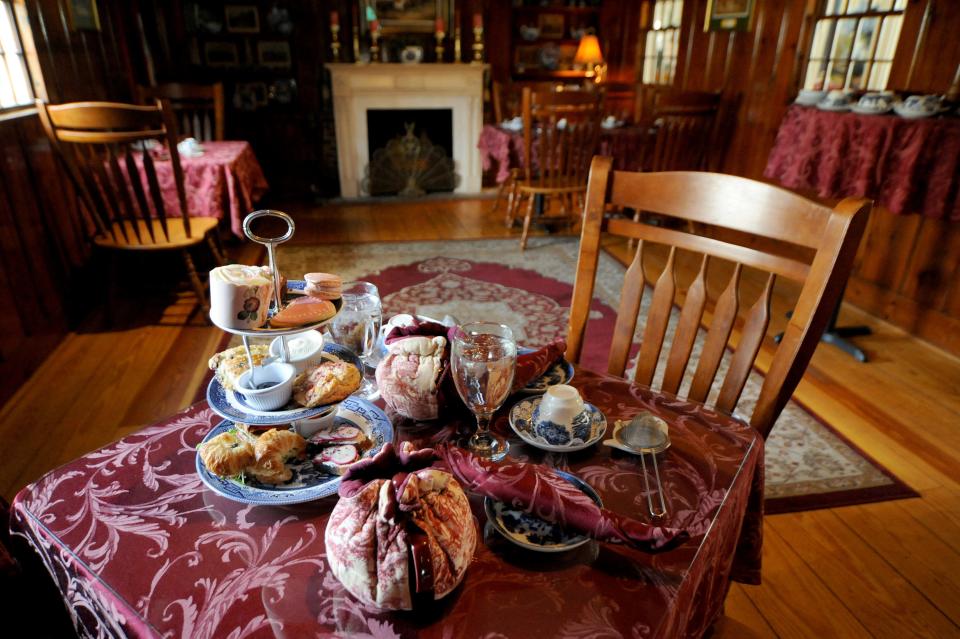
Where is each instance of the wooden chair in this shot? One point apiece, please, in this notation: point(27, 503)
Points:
point(122, 207)
point(563, 151)
point(199, 107)
point(743, 206)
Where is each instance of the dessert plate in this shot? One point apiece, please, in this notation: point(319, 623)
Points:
point(521, 421)
point(533, 533)
point(560, 372)
point(294, 288)
point(309, 483)
point(233, 406)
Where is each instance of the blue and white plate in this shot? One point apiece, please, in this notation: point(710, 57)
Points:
point(521, 421)
point(232, 405)
point(309, 483)
point(533, 533)
point(560, 372)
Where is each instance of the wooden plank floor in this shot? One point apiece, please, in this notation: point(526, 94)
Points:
point(885, 570)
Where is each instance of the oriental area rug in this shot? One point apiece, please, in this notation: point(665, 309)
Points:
point(808, 464)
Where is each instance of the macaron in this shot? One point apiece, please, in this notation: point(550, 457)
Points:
point(325, 286)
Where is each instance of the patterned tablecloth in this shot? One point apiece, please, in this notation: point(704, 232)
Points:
point(139, 547)
point(906, 166)
point(627, 146)
point(226, 181)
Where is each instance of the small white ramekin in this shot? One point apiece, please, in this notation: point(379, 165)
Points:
point(277, 395)
point(312, 356)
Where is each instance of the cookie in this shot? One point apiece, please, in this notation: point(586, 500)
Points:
point(325, 286)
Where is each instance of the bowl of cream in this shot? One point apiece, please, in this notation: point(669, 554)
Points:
point(303, 349)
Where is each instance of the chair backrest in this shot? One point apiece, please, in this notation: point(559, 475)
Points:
point(563, 129)
point(199, 107)
point(101, 145)
point(686, 123)
point(742, 206)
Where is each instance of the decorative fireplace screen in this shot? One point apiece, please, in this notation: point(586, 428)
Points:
point(410, 152)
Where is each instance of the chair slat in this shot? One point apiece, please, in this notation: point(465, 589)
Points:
point(657, 319)
point(721, 325)
point(631, 296)
point(103, 185)
point(155, 194)
point(751, 340)
point(687, 329)
point(137, 184)
point(120, 187)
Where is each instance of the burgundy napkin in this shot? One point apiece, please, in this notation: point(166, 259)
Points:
point(544, 494)
point(530, 366)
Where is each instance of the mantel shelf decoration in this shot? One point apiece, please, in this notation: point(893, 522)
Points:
point(389, 29)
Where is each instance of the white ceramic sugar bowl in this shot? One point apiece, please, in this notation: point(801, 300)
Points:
point(560, 417)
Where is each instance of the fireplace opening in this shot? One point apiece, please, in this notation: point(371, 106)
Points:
point(411, 152)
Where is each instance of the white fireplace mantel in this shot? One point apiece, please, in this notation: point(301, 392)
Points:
point(359, 87)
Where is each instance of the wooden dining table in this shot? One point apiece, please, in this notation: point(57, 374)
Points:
point(138, 546)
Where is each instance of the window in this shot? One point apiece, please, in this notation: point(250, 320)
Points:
point(853, 44)
point(663, 42)
point(15, 87)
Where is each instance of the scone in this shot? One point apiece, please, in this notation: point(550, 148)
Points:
point(325, 384)
point(232, 363)
point(272, 451)
point(227, 454)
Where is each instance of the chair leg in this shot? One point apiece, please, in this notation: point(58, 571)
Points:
point(512, 204)
point(500, 193)
point(217, 254)
point(195, 280)
point(526, 222)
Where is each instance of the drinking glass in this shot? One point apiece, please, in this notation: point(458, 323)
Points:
point(484, 360)
point(357, 327)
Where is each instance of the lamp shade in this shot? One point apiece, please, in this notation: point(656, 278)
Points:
point(588, 53)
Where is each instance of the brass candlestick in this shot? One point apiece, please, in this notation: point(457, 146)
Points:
point(374, 45)
point(478, 45)
point(356, 47)
point(456, 45)
point(335, 41)
point(439, 35)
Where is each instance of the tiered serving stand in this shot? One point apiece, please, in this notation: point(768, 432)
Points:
point(308, 484)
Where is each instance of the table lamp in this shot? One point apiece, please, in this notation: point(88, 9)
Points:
point(589, 55)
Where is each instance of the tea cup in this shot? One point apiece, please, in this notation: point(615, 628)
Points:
point(922, 103)
point(560, 416)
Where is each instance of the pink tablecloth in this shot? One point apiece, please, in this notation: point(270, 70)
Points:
point(906, 166)
point(139, 547)
point(627, 146)
point(226, 181)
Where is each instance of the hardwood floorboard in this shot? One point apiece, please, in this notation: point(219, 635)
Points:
point(886, 569)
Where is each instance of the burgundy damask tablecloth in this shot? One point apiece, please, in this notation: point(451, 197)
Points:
point(139, 547)
point(626, 145)
point(224, 182)
point(906, 166)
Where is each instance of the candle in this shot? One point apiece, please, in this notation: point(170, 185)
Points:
point(478, 21)
point(375, 25)
point(334, 19)
point(440, 26)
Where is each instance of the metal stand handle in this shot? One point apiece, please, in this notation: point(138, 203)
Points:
point(271, 243)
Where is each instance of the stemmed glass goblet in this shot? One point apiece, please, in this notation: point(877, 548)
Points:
point(357, 327)
point(484, 360)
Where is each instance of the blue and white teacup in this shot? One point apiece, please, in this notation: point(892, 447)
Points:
point(560, 417)
point(922, 103)
point(876, 101)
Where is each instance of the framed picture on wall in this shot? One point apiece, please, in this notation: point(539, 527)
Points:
point(408, 16)
point(242, 18)
point(551, 25)
point(83, 15)
point(729, 15)
point(274, 54)
point(220, 54)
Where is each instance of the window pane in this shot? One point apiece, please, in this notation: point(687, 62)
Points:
point(822, 38)
point(900, 5)
point(889, 34)
point(881, 5)
point(7, 98)
point(835, 6)
point(650, 50)
point(879, 76)
point(677, 13)
point(815, 71)
point(858, 74)
point(8, 38)
point(837, 74)
point(658, 15)
point(843, 38)
point(866, 33)
point(857, 6)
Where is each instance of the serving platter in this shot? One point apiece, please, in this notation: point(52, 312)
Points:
point(309, 483)
point(521, 421)
point(530, 532)
point(294, 289)
point(231, 404)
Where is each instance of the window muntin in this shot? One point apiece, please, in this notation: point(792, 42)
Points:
point(662, 42)
point(15, 89)
point(854, 44)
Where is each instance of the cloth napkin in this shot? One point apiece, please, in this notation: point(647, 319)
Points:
point(541, 492)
